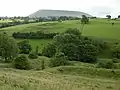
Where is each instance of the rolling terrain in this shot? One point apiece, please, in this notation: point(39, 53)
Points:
point(100, 28)
point(57, 13)
point(76, 76)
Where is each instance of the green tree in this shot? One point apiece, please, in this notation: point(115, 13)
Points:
point(118, 16)
point(108, 16)
point(8, 47)
point(49, 51)
point(24, 47)
point(84, 19)
point(76, 48)
point(21, 62)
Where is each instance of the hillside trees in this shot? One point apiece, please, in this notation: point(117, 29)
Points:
point(75, 47)
point(8, 47)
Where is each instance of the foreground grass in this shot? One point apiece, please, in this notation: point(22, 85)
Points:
point(11, 79)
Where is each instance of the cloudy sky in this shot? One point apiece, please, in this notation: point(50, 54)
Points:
point(93, 7)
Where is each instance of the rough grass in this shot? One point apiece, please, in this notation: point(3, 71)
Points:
point(11, 79)
point(78, 76)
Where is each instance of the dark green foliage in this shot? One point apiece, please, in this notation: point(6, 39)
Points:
point(49, 51)
point(116, 51)
point(8, 47)
point(84, 19)
point(42, 64)
point(108, 16)
point(70, 50)
point(118, 16)
point(108, 64)
point(34, 35)
point(59, 60)
point(37, 50)
point(75, 48)
point(33, 55)
point(21, 62)
point(74, 31)
point(24, 47)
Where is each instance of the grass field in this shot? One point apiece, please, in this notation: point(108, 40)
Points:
point(98, 28)
point(77, 76)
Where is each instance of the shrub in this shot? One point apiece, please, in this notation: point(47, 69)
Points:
point(42, 64)
point(21, 62)
point(59, 60)
point(33, 55)
point(108, 64)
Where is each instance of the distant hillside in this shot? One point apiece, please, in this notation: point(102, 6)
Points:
point(46, 13)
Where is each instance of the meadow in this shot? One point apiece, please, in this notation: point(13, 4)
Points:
point(77, 75)
point(97, 28)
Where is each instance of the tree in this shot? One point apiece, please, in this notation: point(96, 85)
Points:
point(21, 62)
point(84, 19)
point(49, 51)
point(76, 48)
point(24, 47)
point(8, 47)
point(108, 16)
point(118, 16)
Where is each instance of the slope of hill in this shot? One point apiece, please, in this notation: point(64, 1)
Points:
point(46, 13)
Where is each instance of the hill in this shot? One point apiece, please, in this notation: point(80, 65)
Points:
point(99, 28)
point(46, 13)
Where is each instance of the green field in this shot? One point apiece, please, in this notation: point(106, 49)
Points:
point(76, 76)
point(100, 28)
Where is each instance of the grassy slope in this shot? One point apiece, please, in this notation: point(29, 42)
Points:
point(11, 79)
point(99, 28)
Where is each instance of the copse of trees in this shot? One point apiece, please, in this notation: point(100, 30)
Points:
point(74, 46)
point(34, 35)
point(8, 47)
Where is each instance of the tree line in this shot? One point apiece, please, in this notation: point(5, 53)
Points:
point(33, 35)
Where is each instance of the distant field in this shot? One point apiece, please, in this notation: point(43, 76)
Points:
point(98, 28)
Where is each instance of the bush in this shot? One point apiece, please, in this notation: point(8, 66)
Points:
point(108, 64)
point(21, 62)
point(59, 60)
point(33, 55)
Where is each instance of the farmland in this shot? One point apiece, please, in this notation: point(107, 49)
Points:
point(75, 76)
point(101, 28)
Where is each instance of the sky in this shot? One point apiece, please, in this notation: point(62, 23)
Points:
point(99, 8)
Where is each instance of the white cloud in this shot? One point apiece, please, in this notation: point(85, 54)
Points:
point(26, 7)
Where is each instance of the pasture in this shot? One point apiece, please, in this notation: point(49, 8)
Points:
point(98, 28)
point(77, 75)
